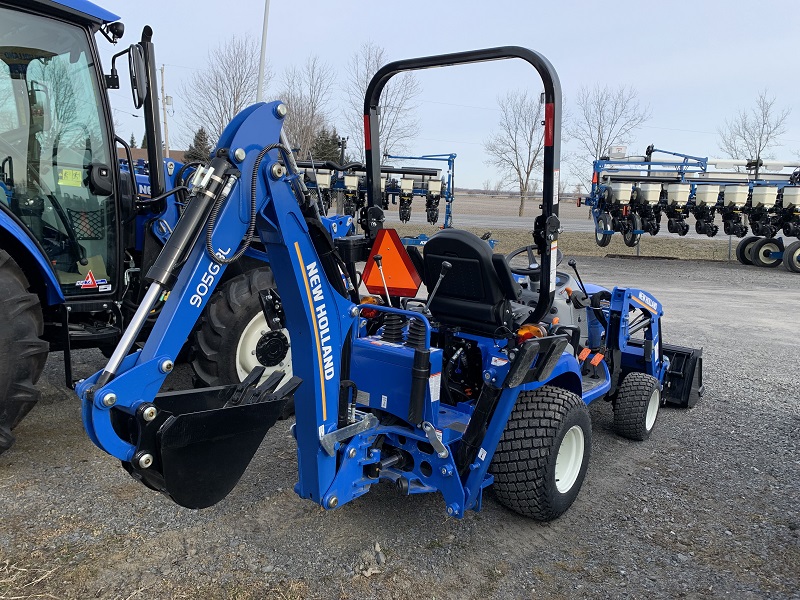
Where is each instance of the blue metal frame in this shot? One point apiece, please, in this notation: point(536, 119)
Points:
point(450, 159)
point(689, 165)
point(322, 324)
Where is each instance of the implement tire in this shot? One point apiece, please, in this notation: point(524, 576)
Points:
point(603, 224)
point(791, 257)
point(637, 405)
point(744, 249)
point(228, 342)
point(541, 460)
point(763, 251)
point(22, 352)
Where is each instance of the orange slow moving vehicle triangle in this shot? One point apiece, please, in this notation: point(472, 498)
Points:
point(402, 278)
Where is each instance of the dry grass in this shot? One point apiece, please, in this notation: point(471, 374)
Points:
point(20, 583)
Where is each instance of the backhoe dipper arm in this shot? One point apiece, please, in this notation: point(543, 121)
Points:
point(120, 406)
point(546, 226)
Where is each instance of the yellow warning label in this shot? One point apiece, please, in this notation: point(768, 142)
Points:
point(70, 177)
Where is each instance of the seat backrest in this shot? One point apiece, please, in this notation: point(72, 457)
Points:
point(476, 291)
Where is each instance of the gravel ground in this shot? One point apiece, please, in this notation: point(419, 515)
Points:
point(706, 508)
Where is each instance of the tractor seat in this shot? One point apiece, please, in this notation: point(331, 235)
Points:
point(476, 293)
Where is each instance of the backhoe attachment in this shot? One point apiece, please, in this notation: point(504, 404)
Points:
point(194, 445)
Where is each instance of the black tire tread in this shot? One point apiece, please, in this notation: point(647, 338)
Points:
point(788, 257)
point(741, 247)
point(209, 355)
point(520, 462)
point(754, 254)
point(630, 405)
point(605, 239)
point(26, 352)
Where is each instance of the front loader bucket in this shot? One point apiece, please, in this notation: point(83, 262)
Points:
point(199, 444)
point(683, 384)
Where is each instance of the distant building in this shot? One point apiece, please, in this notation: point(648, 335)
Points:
point(141, 153)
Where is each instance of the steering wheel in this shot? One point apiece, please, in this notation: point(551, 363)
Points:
point(522, 261)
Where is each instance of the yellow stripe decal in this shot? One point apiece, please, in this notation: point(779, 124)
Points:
point(643, 304)
point(316, 330)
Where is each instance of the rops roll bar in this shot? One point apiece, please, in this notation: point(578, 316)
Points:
point(546, 225)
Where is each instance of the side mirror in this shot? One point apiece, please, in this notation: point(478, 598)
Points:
point(39, 101)
point(138, 73)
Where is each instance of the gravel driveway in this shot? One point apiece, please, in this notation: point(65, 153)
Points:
point(708, 507)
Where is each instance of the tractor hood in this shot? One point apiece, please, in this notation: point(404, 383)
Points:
point(74, 10)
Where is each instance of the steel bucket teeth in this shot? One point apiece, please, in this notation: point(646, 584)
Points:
point(201, 441)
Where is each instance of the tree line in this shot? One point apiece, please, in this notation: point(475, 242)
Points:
point(604, 117)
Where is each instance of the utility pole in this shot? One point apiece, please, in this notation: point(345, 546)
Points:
point(164, 101)
point(262, 63)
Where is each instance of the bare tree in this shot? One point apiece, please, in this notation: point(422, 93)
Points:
point(605, 117)
point(751, 133)
point(516, 149)
point(306, 91)
point(398, 126)
point(227, 84)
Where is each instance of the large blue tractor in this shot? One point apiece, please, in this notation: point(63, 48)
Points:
point(76, 231)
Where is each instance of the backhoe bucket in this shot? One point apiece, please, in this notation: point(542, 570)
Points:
point(199, 444)
point(683, 384)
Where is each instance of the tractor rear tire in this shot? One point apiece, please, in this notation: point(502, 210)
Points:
point(744, 251)
point(761, 252)
point(791, 257)
point(22, 352)
point(541, 460)
point(636, 406)
point(232, 337)
point(603, 223)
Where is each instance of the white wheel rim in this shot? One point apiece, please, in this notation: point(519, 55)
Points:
point(771, 248)
point(569, 459)
point(652, 409)
point(246, 359)
point(795, 257)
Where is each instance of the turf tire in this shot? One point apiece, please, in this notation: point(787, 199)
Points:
point(635, 408)
point(524, 464)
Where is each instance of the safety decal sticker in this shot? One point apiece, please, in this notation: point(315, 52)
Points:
point(90, 282)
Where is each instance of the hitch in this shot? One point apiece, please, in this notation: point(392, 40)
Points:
point(194, 445)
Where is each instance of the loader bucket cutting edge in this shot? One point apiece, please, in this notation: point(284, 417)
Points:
point(683, 383)
point(199, 452)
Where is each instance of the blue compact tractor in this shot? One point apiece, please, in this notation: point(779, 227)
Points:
point(483, 380)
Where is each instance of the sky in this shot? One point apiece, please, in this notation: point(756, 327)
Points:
point(694, 64)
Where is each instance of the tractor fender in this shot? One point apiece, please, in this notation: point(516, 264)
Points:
point(566, 375)
point(30, 256)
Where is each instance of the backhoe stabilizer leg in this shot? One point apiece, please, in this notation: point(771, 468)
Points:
point(195, 445)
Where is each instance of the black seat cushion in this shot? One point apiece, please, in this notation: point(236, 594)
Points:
point(475, 293)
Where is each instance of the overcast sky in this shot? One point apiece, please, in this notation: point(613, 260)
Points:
point(693, 63)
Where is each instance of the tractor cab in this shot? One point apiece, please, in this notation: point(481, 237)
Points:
point(56, 153)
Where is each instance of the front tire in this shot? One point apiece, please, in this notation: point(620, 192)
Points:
point(542, 457)
point(22, 352)
point(637, 405)
point(233, 338)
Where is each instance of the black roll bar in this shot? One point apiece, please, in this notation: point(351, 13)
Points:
point(546, 225)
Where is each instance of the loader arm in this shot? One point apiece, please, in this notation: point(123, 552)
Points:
point(121, 411)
